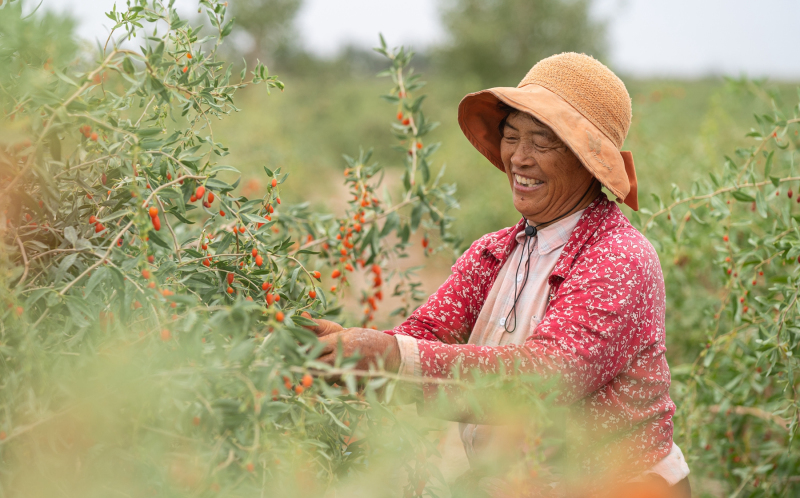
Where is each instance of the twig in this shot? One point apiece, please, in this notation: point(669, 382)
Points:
point(24, 260)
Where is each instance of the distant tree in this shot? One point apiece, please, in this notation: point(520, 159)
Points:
point(499, 40)
point(270, 24)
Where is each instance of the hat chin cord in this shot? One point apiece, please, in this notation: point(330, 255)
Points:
point(530, 232)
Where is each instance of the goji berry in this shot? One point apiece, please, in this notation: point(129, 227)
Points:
point(20, 310)
point(210, 197)
point(92, 219)
point(221, 212)
point(274, 182)
point(333, 288)
point(270, 299)
point(165, 335)
point(250, 467)
point(259, 260)
point(192, 198)
point(277, 297)
point(335, 274)
point(230, 290)
point(156, 223)
point(312, 294)
point(406, 122)
point(185, 68)
point(348, 267)
point(266, 286)
point(725, 238)
point(169, 176)
point(299, 389)
point(307, 381)
point(94, 137)
point(230, 278)
point(151, 285)
point(400, 116)
point(241, 229)
point(317, 275)
point(199, 192)
point(279, 316)
point(98, 227)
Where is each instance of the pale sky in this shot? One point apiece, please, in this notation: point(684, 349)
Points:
point(677, 38)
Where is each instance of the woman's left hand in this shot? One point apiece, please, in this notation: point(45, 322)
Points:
point(370, 344)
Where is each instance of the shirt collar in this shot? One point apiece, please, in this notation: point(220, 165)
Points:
point(554, 236)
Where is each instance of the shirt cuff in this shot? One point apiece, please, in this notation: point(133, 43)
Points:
point(409, 356)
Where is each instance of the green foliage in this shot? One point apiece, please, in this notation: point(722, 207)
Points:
point(499, 40)
point(734, 239)
point(151, 327)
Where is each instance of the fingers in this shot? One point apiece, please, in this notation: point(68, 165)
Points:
point(323, 327)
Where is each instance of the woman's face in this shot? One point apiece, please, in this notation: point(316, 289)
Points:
point(546, 178)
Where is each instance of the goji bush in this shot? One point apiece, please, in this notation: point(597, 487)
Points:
point(730, 248)
point(152, 322)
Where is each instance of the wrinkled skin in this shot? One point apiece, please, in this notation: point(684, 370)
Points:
point(370, 344)
point(529, 149)
point(532, 150)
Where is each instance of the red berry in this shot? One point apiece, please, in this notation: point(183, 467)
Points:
point(99, 227)
point(146, 274)
point(270, 298)
point(425, 242)
point(317, 275)
point(94, 137)
point(206, 204)
point(230, 290)
point(210, 197)
point(266, 286)
point(153, 212)
point(789, 193)
point(221, 212)
point(185, 68)
point(400, 116)
point(274, 182)
point(725, 238)
point(259, 260)
point(250, 467)
point(335, 274)
point(151, 259)
point(406, 122)
point(348, 267)
point(230, 278)
point(199, 192)
point(279, 316)
point(156, 223)
point(92, 219)
point(192, 198)
point(254, 252)
point(312, 294)
point(169, 176)
point(241, 229)
point(277, 297)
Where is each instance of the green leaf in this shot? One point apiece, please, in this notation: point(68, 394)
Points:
point(156, 239)
point(741, 196)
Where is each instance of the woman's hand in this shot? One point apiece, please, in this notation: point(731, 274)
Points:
point(370, 344)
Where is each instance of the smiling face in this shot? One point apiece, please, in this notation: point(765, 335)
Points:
point(547, 180)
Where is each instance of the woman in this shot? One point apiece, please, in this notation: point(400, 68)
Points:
point(572, 291)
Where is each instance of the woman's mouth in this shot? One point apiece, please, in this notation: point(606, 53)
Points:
point(525, 184)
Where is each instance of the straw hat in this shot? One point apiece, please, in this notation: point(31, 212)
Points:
point(581, 100)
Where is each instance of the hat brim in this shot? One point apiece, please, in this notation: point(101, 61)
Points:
point(479, 117)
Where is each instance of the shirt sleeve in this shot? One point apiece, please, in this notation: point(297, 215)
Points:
point(449, 314)
point(595, 324)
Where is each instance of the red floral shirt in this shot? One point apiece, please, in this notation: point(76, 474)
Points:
point(602, 333)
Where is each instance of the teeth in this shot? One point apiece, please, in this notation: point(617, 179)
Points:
point(526, 181)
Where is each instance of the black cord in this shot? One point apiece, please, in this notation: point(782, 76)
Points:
point(530, 232)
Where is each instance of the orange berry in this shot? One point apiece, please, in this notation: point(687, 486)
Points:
point(279, 316)
point(20, 310)
point(189, 55)
point(250, 467)
point(333, 288)
point(317, 275)
point(192, 198)
point(196, 421)
point(312, 294)
point(241, 229)
point(151, 259)
point(156, 223)
point(277, 297)
point(348, 267)
point(259, 260)
point(406, 122)
point(230, 290)
point(265, 286)
point(153, 211)
point(400, 116)
point(199, 192)
point(210, 197)
point(92, 219)
point(274, 182)
point(146, 274)
point(299, 389)
point(151, 285)
point(307, 381)
point(335, 274)
point(98, 227)
point(270, 299)
point(185, 68)
point(94, 137)
point(165, 335)
point(419, 145)
point(254, 252)
point(221, 212)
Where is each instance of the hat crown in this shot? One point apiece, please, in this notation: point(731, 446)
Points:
point(588, 86)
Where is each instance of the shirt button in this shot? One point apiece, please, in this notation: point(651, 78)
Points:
point(519, 278)
point(502, 321)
